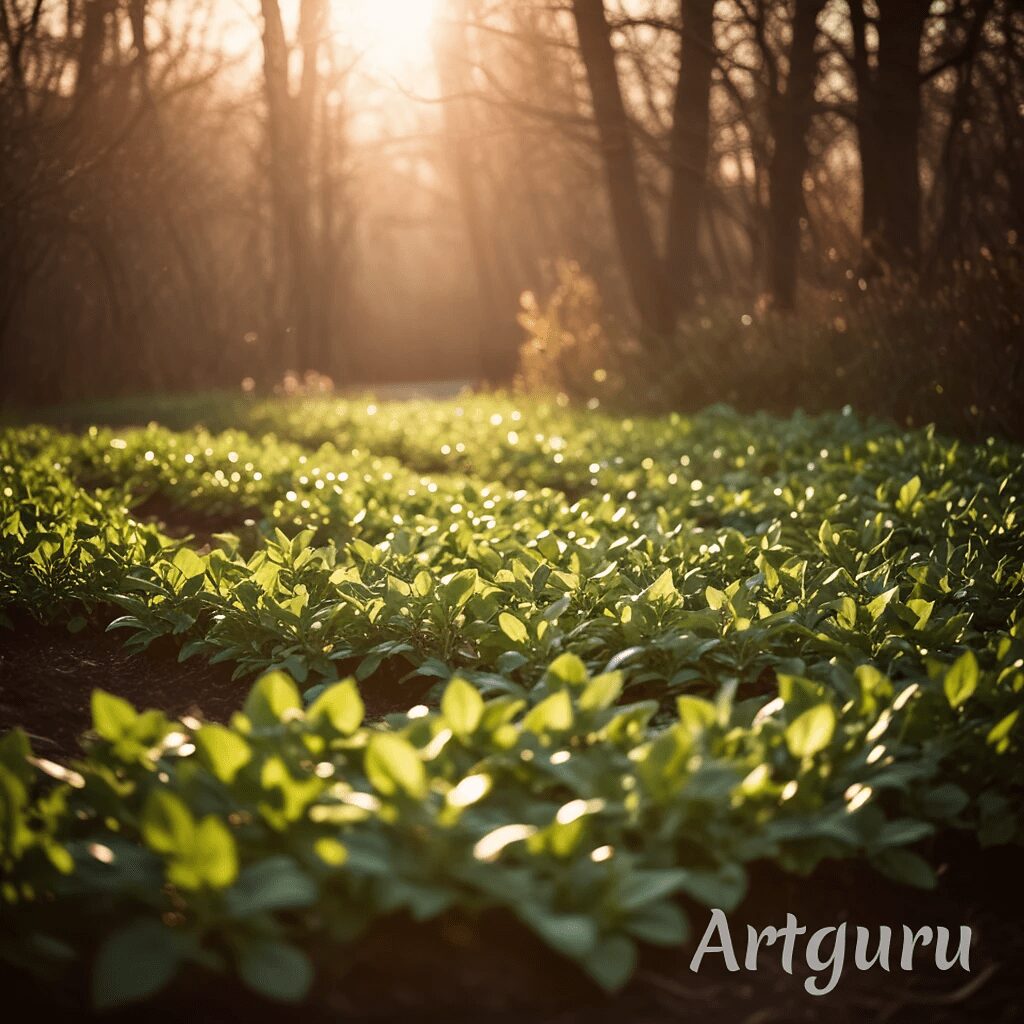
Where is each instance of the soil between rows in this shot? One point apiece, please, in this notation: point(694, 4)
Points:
point(47, 676)
point(490, 968)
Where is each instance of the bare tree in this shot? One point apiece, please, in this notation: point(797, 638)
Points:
point(641, 264)
point(685, 153)
point(889, 126)
point(790, 112)
point(690, 144)
point(305, 266)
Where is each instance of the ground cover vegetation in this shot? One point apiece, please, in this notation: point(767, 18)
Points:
point(655, 652)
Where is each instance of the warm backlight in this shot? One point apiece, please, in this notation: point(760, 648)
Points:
point(393, 36)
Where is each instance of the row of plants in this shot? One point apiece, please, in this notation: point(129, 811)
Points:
point(663, 649)
point(265, 847)
point(887, 548)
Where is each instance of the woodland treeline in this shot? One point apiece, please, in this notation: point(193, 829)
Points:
point(179, 209)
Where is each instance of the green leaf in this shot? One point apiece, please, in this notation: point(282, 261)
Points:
point(662, 589)
point(846, 613)
point(214, 856)
point(330, 851)
point(696, 713)
point(906, 867)
point(341, 706)
point(601, 692)
point(902, 832)
point(999, 733)
point(136, 962)
point(553, 714)
point(611, 962)
point(189, 563)
point(649, 885)
point(661, 924)
point(922, 609)
point(393, 766)
point(273, 698)
point(568, 670)
point(812, 731)
point(223, 751)
point(15, 749)
point(275, 969)
point(556, 608)
point(513, 628)
point(961, 680)
point(293, 794)
point(722, 887)
point(908, 493)
point(462, 706)
point(878, 605)
point(662, 767)
point(945, 801)
point(167, 823)
point(826, 535)
point(277, 883)
point(572, 935)
point(458, 589)
point(112, 716)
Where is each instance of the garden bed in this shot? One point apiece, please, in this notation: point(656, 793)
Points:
point(47, 676)
point(536, 690)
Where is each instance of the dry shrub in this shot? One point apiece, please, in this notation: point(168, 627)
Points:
point(572, 346)
point(294, 384)
point(946, 351)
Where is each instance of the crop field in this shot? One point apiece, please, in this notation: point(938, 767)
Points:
point(539, 685)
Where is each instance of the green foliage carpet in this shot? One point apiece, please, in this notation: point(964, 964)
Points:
point(662, 649)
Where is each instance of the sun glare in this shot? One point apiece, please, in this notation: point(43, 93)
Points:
point(392, 35)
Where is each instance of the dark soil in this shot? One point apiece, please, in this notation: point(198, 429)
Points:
point(47, 676)
point(490, 969)
point(179, 522)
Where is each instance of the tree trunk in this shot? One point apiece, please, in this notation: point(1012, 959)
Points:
point(888, 124)
point(644, 271)
point(898, 113)
point(791, 118)
point(90, 48)
point(289, 132)
point(275, 86)
point(312, 341)
point(689, 147)
point(871, 163)
point(953, 221)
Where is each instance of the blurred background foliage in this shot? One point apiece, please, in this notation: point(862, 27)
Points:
point(771, 203)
